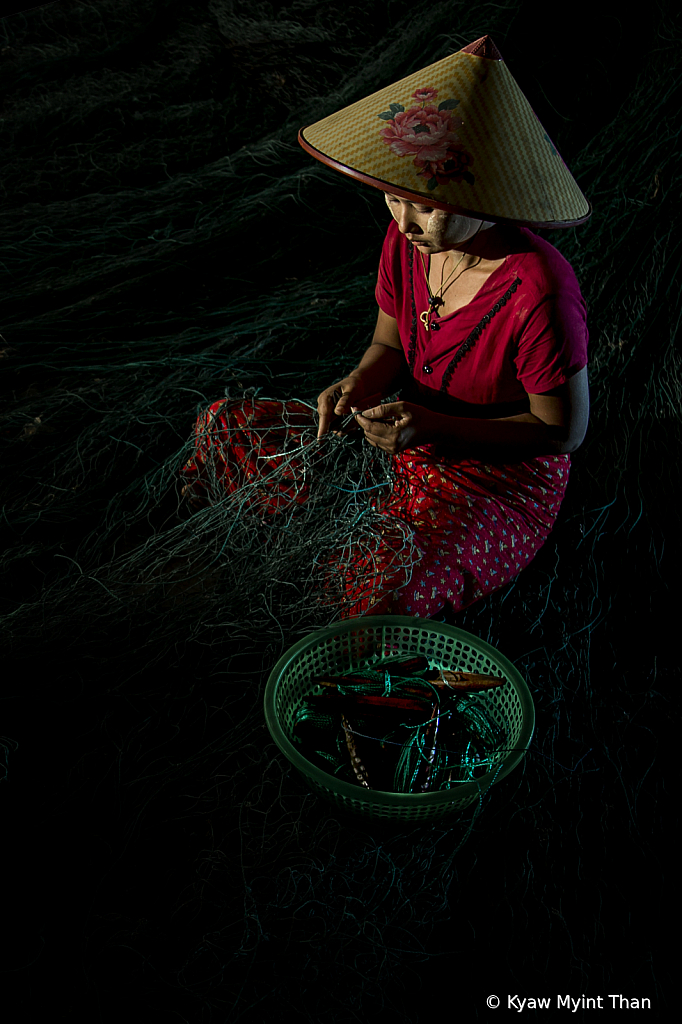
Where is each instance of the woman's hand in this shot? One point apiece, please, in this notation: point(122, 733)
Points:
point(396, 426)
point(334, 402)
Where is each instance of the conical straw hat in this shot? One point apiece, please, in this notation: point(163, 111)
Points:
point(459, 134)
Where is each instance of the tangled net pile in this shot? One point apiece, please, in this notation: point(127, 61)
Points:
point(314, 503)
point(227, 555)
point(165, 241)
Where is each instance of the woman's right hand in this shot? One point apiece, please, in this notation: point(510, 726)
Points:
point(336, 401)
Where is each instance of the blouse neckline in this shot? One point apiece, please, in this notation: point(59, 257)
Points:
point(505, 269)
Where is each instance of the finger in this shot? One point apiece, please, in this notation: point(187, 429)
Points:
point(374, 413)
point(326, 414)
point(388, 410)
point(376, 427)
point(363, 422)
point(336, 414)
point(323, 423)
point(394, 415)
point(341, 403)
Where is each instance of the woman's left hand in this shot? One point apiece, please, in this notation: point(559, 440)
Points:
point(395, 426)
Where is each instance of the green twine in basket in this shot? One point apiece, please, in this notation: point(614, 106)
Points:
point(370, 641)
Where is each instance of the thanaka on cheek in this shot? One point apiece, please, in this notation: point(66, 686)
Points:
point(436, 225)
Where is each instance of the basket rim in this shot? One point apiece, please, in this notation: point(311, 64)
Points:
point(383, 797)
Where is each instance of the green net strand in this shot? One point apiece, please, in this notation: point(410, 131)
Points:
point(469, 752)
point(483, 740)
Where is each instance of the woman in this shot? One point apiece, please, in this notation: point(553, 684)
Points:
point(486, 458)
point(481, 326)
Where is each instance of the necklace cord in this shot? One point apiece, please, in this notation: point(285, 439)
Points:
point(437, 300)
point(468, 344)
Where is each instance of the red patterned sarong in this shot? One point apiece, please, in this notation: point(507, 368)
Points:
point(472, 525)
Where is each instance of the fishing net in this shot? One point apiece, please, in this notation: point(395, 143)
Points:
point(450, 740)
point(166, 243)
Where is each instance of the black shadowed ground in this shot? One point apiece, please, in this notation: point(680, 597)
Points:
point(164, 238)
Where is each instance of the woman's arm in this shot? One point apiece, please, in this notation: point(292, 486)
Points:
point(555, 425)
point(566, 410)
point(377, 374)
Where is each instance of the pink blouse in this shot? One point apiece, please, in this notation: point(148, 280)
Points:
point(524, 332)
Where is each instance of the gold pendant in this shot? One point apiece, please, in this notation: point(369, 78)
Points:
point(424, 317)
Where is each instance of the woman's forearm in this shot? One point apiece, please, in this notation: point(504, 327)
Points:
point(523, 435)
point(381, 369)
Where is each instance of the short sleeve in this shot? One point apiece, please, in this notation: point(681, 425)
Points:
point(388, 274)
point(552, 345)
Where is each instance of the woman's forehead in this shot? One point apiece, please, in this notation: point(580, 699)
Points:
point(413, 202)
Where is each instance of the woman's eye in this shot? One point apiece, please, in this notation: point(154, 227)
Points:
point(396, 202)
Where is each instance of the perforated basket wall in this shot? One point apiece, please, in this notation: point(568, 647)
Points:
point(350, 645)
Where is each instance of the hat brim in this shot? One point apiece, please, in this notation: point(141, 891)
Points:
point(428, 199)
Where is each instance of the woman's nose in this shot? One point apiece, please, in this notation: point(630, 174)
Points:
point(406, 221)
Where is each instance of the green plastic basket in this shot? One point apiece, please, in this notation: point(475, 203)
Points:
point(354, 643)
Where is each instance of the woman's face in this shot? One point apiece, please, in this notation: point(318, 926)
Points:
point(432, 230)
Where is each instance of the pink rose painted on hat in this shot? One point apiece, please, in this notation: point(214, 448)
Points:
point(424, 95)
point(428, 134)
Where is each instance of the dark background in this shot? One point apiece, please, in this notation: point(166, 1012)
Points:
point(165, 236)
